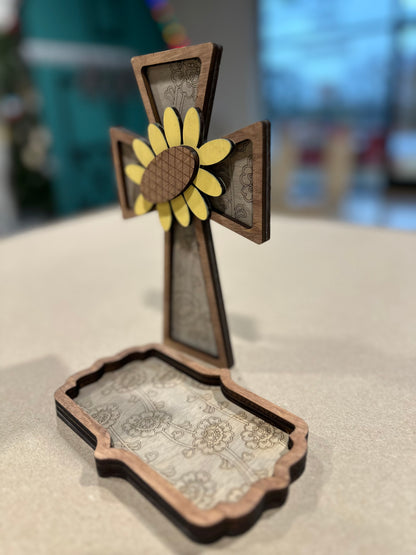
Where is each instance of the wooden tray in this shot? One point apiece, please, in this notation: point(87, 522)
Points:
point(208, 453)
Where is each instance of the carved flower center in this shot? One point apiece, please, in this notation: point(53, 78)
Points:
point(263, 432)
point(169, 174)
point(213, 434)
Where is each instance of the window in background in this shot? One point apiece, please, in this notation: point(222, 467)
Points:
point(402, 139)
point(337, 77)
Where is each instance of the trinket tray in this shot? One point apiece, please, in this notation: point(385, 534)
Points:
point(208, 453)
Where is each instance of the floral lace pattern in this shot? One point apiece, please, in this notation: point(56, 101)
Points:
point(237, 174)
point(212, 435)
point(106, 415)
point(175, 84)
point(198, 487)
point(260, 435)
point(190, 315)
point(147, 423)
point(210, 449)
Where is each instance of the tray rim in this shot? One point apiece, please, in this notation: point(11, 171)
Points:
point(204, 525)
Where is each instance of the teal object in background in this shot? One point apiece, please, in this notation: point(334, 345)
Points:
point(79, 53)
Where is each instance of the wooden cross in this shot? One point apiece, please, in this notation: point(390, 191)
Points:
point(188, 181)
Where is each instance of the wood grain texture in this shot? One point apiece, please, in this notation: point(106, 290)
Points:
point(214, 295)
point(225, 518)
point(259, 136)
point(119, 137)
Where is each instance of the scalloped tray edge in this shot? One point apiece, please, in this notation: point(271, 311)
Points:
point(200, 525)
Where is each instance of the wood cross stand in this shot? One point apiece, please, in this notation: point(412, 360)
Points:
point(210, 454)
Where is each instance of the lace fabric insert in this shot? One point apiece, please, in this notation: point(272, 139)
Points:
point(190, 314)
point(210, 449)
point(237, 175)
point(174, 84)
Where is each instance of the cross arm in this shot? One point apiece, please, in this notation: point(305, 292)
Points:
point(245, 205)
point(122, 152)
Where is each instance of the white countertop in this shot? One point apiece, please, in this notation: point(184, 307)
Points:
point(323, 323)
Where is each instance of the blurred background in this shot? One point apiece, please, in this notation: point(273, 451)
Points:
point(336, 79)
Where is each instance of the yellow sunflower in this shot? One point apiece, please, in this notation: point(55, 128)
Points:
point(171, 171)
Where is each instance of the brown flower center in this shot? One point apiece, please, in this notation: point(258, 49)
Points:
point(169, 174)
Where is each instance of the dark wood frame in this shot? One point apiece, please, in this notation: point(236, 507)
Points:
point(259, 136)
point(215, 300)
point(118, 136)
point(201, 525)
point(210, 56)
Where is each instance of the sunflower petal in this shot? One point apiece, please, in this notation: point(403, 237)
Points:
point(214, 151)
point(196, 202)
point(192, 128)
point(181, 210)
point(172, 127)
point(156, 138)
point(165, 215)
point(141, 206)
point(143, 152)
point(208, 183)
point(134, 172)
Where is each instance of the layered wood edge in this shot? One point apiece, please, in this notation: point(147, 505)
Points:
point(259, 135)
point(200, 525)
point(209, 54)
point(119, 136)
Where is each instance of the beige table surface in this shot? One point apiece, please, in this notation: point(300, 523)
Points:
point(323, 322)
